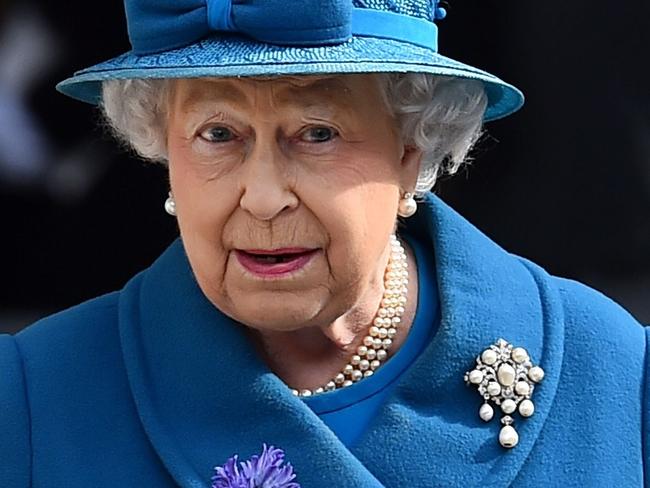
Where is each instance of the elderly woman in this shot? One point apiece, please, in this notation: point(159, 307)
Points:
point(316, 325)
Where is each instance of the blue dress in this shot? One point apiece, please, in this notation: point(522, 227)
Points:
point(153, 386)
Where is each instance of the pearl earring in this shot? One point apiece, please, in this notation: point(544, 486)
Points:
point(407, 205)
point(170, 205)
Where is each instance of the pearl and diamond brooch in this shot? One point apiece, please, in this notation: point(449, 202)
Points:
point(505, 376)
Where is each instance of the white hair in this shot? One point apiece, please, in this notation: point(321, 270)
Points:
point(439, 115)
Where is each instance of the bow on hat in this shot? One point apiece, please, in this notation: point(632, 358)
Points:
point(159, 25)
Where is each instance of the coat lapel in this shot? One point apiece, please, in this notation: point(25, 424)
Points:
point(432, 419)
point(203, 395)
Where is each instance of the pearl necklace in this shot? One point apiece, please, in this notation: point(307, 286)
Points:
point(374, 349)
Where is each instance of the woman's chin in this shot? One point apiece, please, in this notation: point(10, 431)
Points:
point(281, 314)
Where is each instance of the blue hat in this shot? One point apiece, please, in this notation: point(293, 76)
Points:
point(214, 38)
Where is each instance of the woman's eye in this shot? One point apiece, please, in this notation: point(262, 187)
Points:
point(217, 134)
point(319, 134)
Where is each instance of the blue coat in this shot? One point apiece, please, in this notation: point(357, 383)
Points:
point(152, 387)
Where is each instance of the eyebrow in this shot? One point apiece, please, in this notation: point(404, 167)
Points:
point(321, 92)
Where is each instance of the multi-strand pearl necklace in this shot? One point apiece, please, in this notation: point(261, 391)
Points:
point(374, 349)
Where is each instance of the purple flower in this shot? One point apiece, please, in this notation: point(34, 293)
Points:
point(263, 471)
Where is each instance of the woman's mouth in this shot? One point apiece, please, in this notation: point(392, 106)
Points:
point(275, 262)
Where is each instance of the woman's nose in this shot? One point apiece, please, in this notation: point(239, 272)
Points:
point(266, 182)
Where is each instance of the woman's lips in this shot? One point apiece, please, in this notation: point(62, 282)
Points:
point(275, 262)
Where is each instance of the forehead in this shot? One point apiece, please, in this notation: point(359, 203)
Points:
point(296, 90)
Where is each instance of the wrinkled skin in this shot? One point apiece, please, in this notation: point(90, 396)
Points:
point(313, 162)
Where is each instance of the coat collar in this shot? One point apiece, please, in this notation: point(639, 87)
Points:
point(203, 395)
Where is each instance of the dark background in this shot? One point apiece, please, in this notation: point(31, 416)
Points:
point(564, 182)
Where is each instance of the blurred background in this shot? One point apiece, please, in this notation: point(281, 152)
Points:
point(565, 182)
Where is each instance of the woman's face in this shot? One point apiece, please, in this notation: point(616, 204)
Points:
point(286, 193)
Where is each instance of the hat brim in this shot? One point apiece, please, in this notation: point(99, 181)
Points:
point(228, 55)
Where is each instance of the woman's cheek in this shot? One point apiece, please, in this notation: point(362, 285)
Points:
point(220, 158)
